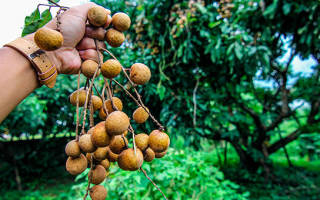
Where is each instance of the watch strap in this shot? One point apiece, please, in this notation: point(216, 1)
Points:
point(46, 71)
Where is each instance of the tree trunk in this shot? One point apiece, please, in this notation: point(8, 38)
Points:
point(245, 159)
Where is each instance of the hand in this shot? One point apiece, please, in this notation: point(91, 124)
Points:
point(78, 43)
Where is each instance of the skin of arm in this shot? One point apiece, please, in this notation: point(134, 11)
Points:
point(18, 78)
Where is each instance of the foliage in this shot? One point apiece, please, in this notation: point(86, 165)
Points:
point(182, 174)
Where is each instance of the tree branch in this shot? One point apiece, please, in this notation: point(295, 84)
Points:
point(284, 141)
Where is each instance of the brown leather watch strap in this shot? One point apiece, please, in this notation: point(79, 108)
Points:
point(46, 71)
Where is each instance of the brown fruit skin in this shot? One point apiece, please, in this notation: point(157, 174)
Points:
point(97, 175)
point(96, 102)
point(102, 114)
point(142, 141)
point(77, 165)
point(140, 115)
point(121, 21)
point(100, 153)
point(130, 162)
point(118, 144)
point(98, 16)
point(90, 131)
point(105, 163)
point(113, 157)
point(82, 97)
point(99, 136)
point(114, 38)
point(88, 68)
point(88, 156)
point(161, 154)
point(149, 155)
point(98, 192)
point(158, 141)
point(117, 122)
point(48, 39)
point(72, 149)
point(111, 68)
point(140, 73)
point(86, 144)
point(117, 103)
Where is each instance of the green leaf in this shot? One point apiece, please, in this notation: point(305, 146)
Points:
point(271, 10)
point(214, 24)
point(286, 8)
point(161, 90)
point(238, 51)
point(45, 18)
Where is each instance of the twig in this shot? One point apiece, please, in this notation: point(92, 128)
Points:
point(89, 178)
point(135, 90)
point(77, 109)
point(90, 88)
point(102, 98)
point(127, 92)
point(195, 103)
point(153, 183)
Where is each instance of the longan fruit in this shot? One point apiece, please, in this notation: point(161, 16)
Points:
point(98, 16)
point(117, 122)
point(129, 161)
point(77, 165)
point(117, 103)
point(97, 175)
point(105, 163)
point(88, 68)
point(108, 105)
point(99, 136)
point(82, 97)
point(113, 157)
point(149, 155)
point(140, 73)
point(48, 39)
point(98, 192)
point(159, 141)
point(121, 21)
point(96, 102)
point(118, 144)
point(111, 68)
point(100, 153)
point(90, 131)
point(140, 115)
point(142, 141)
point(86, 144)
point(72, 149)
point(114, 38)
point(161, 154)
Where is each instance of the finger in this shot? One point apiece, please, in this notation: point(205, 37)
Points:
point(96, 33)
point(90, 54)
point(88, 43)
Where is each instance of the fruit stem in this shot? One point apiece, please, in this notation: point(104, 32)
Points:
point(153, 183)
point(77, 109)
point(89, 177)
point(161, 128)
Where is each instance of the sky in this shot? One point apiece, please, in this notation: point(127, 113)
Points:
point(13, 12)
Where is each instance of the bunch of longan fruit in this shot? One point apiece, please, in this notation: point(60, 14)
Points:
point(107, 141)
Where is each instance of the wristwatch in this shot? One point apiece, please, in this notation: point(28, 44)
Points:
point(46, 71)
